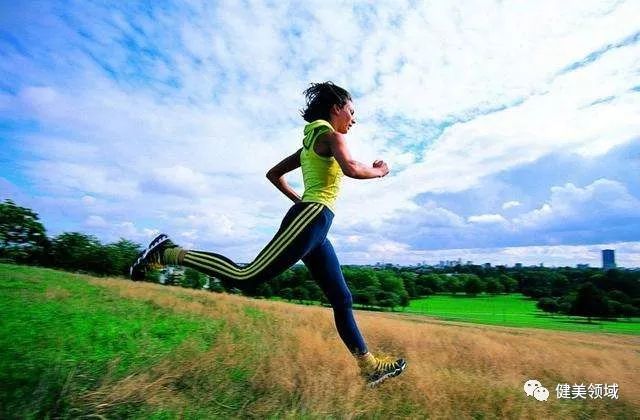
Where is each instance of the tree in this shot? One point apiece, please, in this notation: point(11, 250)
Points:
point(264, 290)
point(287, 293)
point(535, 284)
point(427, 284)
point(559, 284)
point(472, 284)
point(313, 290)
point(367, 296)
point(300, 293)
point(409, 280)
point(590, 302)
point(77, 251)
point(454, 283)
point(509, 284)
point(22, 237)
point(387, 299)
point(494, 286)
point(548, 304)
point(122, 254)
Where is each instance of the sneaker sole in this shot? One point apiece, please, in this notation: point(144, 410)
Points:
point(152, 245)
point(392, 374)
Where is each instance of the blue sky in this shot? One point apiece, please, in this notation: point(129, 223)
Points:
point(512, 129)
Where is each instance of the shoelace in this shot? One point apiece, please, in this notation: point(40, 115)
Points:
point(156, 257)
point(385, 363)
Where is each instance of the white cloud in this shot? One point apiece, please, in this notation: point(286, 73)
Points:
point(94, 221)
point(510, 204)
point(175, 129)
point(602, 200)
point(388, 248)
point(487, 219)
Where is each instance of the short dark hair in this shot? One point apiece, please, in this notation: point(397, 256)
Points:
point(320, 98)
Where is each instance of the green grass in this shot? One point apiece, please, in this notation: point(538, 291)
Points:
point(60, 337)
point(513, 310)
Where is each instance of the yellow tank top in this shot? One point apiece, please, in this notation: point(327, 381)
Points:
point(321, 174)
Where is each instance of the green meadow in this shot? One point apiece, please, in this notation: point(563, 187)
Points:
point(75, 346)
point(61, 337)
point(513, 310)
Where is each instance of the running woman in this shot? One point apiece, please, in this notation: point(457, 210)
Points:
point(324, 158)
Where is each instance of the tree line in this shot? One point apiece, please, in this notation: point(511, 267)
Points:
point(584, 292)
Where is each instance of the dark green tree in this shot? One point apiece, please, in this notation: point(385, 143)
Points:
point(548, 304)
point(427, 284)
point(300, 294)
point(590, 302)
point(473, 285)
point(535, 283)
point(23, 238)
point(509, 284)
point(313, 290)
point(121, 254)
point(287, 293)
point(387, 299)
point(264, 290)
point(493, 286)
point(454, 283)
point(77, 251)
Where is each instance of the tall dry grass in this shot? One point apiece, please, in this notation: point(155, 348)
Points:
point(295, 365)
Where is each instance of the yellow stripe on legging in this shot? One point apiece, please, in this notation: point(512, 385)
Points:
point(300, 218)
point(292, 231)
point(283, 241)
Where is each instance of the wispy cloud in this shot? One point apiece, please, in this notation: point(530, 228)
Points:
point(127, 118)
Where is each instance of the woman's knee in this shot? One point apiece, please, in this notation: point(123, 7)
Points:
point(342, 300)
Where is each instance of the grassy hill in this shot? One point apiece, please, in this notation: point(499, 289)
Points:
point(73, 346)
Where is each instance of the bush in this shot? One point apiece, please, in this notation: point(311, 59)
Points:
point(548, 304)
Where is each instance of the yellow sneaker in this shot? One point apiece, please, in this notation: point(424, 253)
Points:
point(150, 257)
point(377, 369)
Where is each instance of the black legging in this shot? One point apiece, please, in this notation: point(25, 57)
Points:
point(302, 236)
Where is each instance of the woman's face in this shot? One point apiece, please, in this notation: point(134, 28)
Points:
point(343, 118)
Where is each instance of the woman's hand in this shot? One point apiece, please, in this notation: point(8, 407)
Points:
point(276, 175)
point(382, 166)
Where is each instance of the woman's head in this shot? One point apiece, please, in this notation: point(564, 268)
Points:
point(326, 101)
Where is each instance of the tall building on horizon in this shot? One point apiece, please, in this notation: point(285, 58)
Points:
point(608, 259)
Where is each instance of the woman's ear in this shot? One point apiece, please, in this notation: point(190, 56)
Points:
point(335, 109)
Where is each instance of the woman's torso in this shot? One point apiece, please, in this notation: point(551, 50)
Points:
point(321, 174)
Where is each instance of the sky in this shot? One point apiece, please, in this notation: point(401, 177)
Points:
point(511, 128)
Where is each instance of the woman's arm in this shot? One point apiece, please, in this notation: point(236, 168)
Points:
point(349, 166)
point(276, 175)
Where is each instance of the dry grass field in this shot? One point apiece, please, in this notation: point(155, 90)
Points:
point(286, 361)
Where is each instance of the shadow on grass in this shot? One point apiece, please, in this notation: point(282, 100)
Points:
point(580, 320)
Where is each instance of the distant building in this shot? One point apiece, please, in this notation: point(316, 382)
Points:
point(608, 259)
point(582, 266)
point(486, 265)
point(518, 265)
